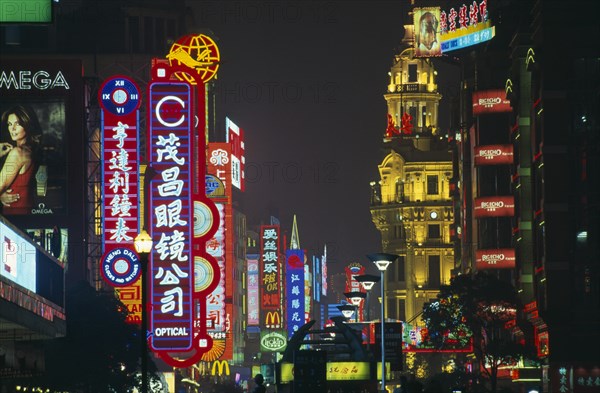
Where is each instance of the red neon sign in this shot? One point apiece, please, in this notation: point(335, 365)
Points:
point(171, 215)
point(490, 101)
point(503, 258)
point(493, 154)
point(496, 206)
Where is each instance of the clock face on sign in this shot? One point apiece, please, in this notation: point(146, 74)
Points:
point(119, 96)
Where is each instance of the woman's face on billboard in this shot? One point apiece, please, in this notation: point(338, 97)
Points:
point(16, 130)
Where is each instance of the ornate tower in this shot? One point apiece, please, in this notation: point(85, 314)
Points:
point(411, 204)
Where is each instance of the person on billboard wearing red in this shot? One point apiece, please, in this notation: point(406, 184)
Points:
point(18, 170)
point(427, 35)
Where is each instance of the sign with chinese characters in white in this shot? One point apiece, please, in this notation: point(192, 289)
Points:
point(294, 288)
point(170, 212)
point(119, 98)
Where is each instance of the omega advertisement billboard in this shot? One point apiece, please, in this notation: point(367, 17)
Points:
point(35, 110)
point(494, 155)
point(502, 258)
point(495, 206)
point(41, 144)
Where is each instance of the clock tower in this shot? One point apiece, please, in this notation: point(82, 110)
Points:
point(411, 204)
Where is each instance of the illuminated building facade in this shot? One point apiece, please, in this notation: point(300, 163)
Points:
point(549, 242)
point(410, 203)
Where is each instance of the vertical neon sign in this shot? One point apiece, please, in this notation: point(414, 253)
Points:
point(120, 99)
point(294, 288)
point(171, 215)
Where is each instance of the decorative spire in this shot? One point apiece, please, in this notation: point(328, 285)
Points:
point(295, 239)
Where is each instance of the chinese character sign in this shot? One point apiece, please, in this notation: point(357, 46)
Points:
point(253, 285)
point(215, 302)
point(119, 98)
point(170, 123)
point(235, 136)
point(270, 274)
point(294, 290)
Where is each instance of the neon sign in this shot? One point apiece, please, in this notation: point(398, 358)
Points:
point(171, 215)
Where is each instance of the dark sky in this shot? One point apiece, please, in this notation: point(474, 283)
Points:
point(305, 80)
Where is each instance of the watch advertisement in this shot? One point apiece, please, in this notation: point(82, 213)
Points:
point(33, 162)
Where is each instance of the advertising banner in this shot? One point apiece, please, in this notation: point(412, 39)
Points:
point(41, 115)
point(215, 301)
point(270, 276)
point(253, 291)
point(120, 99)
point(495, 206)
point(502, 258)
point(235, 136)
point(494, 155)
point(463, 26)
point(427, 28)
point(294, 290)
point(273, 341)
point(171, 214)
point(37, 183)
point(490, 101)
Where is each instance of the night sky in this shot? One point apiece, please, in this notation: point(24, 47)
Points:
point(305, 80)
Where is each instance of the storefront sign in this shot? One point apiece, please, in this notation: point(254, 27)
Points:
point(495, 259)
point(493, 154)
point(490, 101)
point(496, 206)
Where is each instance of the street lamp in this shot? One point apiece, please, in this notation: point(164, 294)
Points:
point(355, 298)
point(367, 281)
point(346, 310)
point(143, 246)
point(382, 261)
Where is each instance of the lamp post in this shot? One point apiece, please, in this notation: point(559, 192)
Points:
point(355, 298)
point(382, 261)
point(143, 246)
point(346, 310)
point(367, 281)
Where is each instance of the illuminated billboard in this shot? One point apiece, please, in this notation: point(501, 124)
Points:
point(324, 272)
point(426, 25)
point(120, 99)
point(317, 277)
point(253, 278)
point(42, 99)
point(503, 258)
point(18, 258)
point(493, 155)
point(37, 183)
point(171, 215)
point(463, 26)
point(235, 136)
point(490, 101)
point(28, 273)
point(270, 276)
point(215, 302)
point(494, 206)
point(26, 11)
point(294, 289)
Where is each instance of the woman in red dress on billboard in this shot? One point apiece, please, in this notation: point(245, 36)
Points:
point(17, 174)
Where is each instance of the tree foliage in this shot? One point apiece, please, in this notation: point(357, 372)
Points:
point(100, 352)
point(478, 307)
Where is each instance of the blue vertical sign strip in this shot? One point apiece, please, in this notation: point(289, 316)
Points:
point(294, 288)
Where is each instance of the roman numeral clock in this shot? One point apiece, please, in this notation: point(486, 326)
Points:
point(121, 97)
